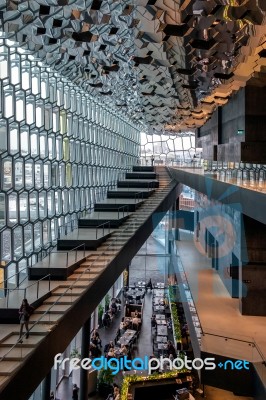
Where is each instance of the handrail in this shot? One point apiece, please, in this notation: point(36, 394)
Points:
point(67, 251)
point(123, 207)
point(65, 225)
point(205, 333)
point(105, 223)
point(17, 273)
point(27, 287)
point(103, 253)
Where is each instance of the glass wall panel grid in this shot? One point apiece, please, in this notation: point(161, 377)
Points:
point(167, 148)
point(60, 150)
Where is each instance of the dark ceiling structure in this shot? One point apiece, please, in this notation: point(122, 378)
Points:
point(165, 63)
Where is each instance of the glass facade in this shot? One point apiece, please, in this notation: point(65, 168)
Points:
point(166, 148)
point(60, 151)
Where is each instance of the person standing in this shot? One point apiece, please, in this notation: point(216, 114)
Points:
point(25, 312)
point(152, 160)
point(75, 393)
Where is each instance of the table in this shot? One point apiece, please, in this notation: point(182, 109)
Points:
point(160, 316)
point(161, 339)
point(158, 301)
point(160, 321)
point(129, 319)
point(159, 285)
point(159, 292)
point(159, 308)
point(162, 330)
point(135, 292)
point(126, 337)
point(162, 346)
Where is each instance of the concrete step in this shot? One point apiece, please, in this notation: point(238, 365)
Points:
point(16, 354)
point(60, 290)
point(47, 319)
point(30, 342)
point(56, 309)
point(65, 299)
point(85, 277)
point(8, 367)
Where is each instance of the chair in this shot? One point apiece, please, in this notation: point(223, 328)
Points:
point(130, 299)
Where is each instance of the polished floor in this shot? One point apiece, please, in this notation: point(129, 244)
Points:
point(218, 313)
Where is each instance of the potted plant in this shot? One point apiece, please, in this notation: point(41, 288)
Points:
point(105, 382)
point(75, 354)
point(100, 315)
point(107, 302)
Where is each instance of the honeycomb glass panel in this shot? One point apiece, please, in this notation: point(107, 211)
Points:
point(26, 75)
point(13, 139)
point(23, 208)
point(19, 175)
point(8, 101)
point(50, 134)
point(42, 205)
point(58, 202)
point(33, 206)
point(12, 209)
point(50, 203)
point(30, 110)
point(29, 182)
point(34, 144)
point(46, 232)
point(37, 236)
point(38, 175)
point(28, 239)
point(15, 69)
point(18, 243)
point(2, 210)
point(7, 174)
point(3, 136)
point(3, 62)
point(20, 106)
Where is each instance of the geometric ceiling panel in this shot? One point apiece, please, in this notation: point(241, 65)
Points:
point(161, 60)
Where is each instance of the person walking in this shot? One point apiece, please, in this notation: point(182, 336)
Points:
point(75, 393)
point(25, 312)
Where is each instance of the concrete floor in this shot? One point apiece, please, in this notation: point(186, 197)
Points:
point(218, 313)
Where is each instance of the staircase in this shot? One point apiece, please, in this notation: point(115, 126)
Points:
point(62, 314)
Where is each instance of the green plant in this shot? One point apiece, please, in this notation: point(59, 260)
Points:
point(75, 354)
point(100, 310)
point(107, 300)
point(106, 377)
point(100, 314)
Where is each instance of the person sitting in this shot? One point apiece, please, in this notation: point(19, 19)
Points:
point(96, 338)
point(135, 323)
point(153, 322)
point(118, 303)
point(108, 346)
point(116, 393)
point(154, 364)
point(123, 326)
point(136, 314)
point(94, 350)
point(113, 308)
point(171, 349)
point(124, 350)
point(169, 324)
point(111, 395)
point(111, 353)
